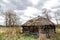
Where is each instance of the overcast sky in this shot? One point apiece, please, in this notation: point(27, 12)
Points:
point(28, 8)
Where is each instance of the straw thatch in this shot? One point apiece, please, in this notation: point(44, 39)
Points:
point(38, 21)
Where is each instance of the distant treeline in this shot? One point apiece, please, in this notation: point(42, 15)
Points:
point(58, 25)
point(10, 26)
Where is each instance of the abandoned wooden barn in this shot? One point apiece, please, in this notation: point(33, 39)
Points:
point(38, 24)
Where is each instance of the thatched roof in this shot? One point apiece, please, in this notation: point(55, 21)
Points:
point(38, 21)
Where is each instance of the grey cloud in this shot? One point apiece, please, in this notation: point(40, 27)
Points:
point(14, 4)
point(40, 4)
point(58, 5)
point(4, 6)
point(21, 4)
point(58, 12)
point(1, 1)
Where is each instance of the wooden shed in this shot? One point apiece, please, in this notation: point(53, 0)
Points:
point(38, 25)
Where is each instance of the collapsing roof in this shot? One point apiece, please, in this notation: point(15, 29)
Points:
point(38, 21)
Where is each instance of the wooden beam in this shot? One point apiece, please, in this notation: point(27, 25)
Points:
point(23, 29)
point(29, 29)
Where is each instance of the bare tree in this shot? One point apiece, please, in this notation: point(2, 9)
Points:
point(10, 18)
point(56, 13)
point(56, 18)
point(45, 13)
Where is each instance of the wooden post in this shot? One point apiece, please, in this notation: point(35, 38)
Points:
point(33, 29)
point(54, 29)
point(29, 29)
point(23, 29)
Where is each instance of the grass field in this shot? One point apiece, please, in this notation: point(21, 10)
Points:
point(18, 37)
point(14, 33)
point(57, 35)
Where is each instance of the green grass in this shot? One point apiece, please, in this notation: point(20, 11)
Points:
point(18, 37)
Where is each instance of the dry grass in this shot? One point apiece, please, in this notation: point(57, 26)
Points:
point(57, 35)
point(14, 33)
point(10, 29)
